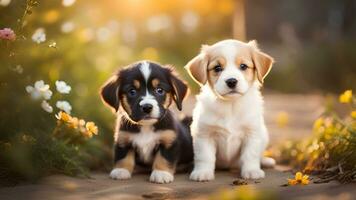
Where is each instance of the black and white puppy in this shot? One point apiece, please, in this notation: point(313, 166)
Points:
point(147, 133)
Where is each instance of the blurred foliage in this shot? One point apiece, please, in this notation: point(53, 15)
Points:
point(327, 67)
point(82, 44)
point(331, 151)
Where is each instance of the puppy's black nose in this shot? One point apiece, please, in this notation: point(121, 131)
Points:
point(231, 83)
point(147, 108)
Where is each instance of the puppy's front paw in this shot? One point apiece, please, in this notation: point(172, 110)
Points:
point(252, 173)
point(202, 175)
point(159, 176)
point(120, 174)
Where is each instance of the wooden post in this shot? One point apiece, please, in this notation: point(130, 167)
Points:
point(238, 21)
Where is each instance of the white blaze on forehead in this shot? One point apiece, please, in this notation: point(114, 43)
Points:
point(145, 70)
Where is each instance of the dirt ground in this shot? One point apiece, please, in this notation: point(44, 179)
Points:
point(301, 111)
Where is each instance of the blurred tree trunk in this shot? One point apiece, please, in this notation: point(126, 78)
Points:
point(238, 21)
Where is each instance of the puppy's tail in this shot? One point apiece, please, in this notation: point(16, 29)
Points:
point(268, 162)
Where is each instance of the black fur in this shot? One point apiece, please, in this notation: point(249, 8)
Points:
point(118, 88)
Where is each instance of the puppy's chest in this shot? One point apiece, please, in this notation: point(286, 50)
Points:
point(145, 142)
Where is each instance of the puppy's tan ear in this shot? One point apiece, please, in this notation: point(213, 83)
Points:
point(109, 92)
point(197, 68)
point(262, 61)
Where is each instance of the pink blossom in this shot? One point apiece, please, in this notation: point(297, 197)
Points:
point(7, 34)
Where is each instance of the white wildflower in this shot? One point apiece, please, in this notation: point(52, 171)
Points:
point(18, 69)
point(158, 23)
point(5, 2)
point(189, 21)
point(68, 3)
point(63, 87)
point(53, 45)
point(103, 34)
point(39, 36)
point(40, 90)
point(67, 27)
point(64, 105)
point(45, 106)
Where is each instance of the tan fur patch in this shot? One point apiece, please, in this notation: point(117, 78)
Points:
point(212, 75)
point(160, 163)
point(248, 73)
point(167, 102)
point(155, 82)
point(167, 137)
point(197, 68)
point(128, 162)
point(263, 64)
point(123, 138)
point(137, 84)
point(126, 104)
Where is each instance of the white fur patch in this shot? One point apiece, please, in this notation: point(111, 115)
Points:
point(120, 174)
point(145, 142)
point(252, 173)
point(202, 175)
point(145, 70)
point(229, 133)
point(159, 176)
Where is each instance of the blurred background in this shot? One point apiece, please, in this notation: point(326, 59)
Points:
point(84, 42)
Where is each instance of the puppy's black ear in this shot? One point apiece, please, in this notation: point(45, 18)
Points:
point(180, 90)
point(109, 92)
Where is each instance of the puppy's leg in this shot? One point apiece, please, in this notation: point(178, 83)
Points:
point(251, 154)
point(164, 164)
point(204, 159)
point(124, 163)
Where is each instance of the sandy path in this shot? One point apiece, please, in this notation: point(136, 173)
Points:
point(301, 109)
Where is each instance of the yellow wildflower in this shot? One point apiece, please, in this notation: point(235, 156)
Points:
point(292, 182)
point(353, 114)
point(282, 119)
point(299, 179)
point(51, 16)
point(63, 116)
point(92, 128)
point(76, 123)
point(346, 97)
point(70, 186)
point(318, 123)
point(268, 153)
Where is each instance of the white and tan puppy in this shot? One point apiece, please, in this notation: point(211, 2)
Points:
point(228, 126)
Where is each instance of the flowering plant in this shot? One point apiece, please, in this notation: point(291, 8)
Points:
point(331, 151)
point(73, 130)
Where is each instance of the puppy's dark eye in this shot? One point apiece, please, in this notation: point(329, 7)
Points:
point(132, 92)
point(218, 68)
point(159, 91)
point(243, 66)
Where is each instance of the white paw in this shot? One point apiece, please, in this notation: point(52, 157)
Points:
point(120, 174)
point(159, 176)
point(202, 175)
point(252, 173)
